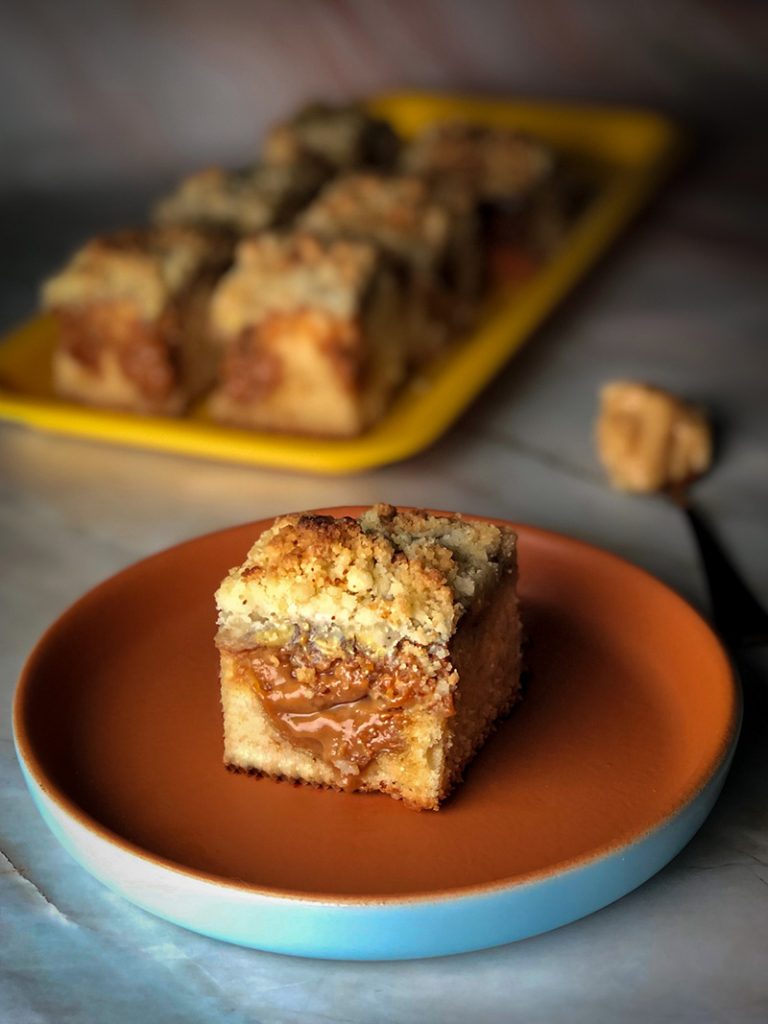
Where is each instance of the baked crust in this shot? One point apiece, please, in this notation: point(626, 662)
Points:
point(388, 576)
point(279, 273)
point(145, 267)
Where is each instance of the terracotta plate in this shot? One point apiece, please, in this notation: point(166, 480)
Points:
point(619, 747)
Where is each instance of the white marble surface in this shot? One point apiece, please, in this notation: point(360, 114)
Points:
point(683, 304)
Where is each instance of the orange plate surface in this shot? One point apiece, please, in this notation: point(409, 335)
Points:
point(630, 708)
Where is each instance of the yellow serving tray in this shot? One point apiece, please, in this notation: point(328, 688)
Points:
point(630, 149)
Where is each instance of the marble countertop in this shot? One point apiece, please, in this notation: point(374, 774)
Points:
point(682, 303)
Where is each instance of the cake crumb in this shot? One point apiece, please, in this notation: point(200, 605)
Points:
point(649, 439)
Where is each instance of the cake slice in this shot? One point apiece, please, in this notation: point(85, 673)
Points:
point(518, 180)
point(310, 336)
point(371, 654)
point(432, 234)
point(131, 311)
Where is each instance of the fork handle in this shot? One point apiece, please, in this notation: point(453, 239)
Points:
point(737, 614)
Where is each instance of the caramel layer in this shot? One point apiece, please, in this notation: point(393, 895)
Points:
point(344, 710)
point(147, 352)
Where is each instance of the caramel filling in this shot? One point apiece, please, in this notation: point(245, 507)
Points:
point(147, 352)
point(343, 710)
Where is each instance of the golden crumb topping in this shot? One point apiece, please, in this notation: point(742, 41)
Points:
point(402, 214)
point(499, 163)
point(344, 135)
point(242, 201)
point(145, 268)
point(371, 582)
point(283, 273)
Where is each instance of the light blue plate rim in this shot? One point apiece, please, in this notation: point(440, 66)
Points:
point(387, 928)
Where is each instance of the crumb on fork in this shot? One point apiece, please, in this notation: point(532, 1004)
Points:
point(649, 439)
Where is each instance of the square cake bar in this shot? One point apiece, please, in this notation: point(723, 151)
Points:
point(431, 232)
point(131, 313)
point(309, 333)
point(371, 654)
point(519, 184)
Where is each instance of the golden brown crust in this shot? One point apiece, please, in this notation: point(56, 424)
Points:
point(402, 214)
point(279, 274)
point(310, 332)
point(378, 580)
point(432, 234)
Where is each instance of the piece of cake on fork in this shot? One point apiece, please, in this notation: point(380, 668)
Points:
point(372, 653)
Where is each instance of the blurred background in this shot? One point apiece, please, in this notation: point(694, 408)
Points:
point(106, 103)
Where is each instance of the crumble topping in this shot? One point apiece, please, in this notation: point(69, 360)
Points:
point(369, 583)
point(404, 215)
point(243, 201)
point(146, 268)
point(284, 273)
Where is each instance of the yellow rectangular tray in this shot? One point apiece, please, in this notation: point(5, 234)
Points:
point(631, 150)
